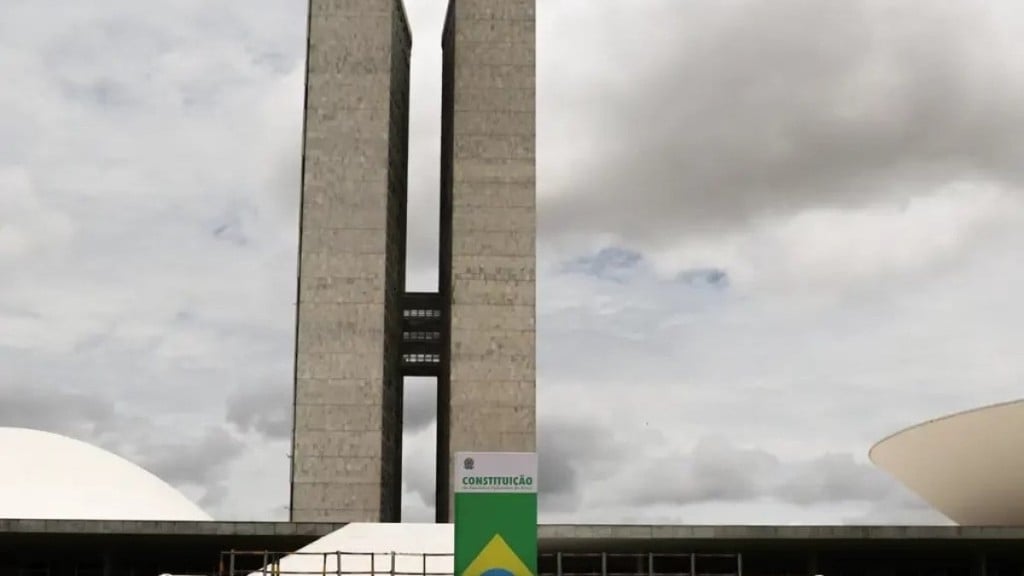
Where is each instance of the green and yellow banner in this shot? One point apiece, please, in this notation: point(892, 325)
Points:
point(495, 514)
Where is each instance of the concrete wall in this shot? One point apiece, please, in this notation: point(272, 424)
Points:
point(489, 191)
point(346, 462)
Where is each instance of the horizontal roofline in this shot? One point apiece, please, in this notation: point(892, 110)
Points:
point(552, 533)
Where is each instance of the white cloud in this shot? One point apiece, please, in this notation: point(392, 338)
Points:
point(824, 250)
point(152, 200)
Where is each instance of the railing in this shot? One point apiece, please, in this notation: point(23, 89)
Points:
point(640, 564)
point(265, 563)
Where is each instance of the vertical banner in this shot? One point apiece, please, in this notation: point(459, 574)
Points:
point(495, 513)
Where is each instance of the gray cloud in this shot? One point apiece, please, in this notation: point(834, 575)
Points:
point(832, 478)
point(899, 506)
point(419, 404)
point(739, 110)
point(718, 471)
point(565, 449)
point(126, 320)
point(610, 263)
point(68, 395)
point(141, 434)
point(266, 410)
point(69, 413)
point(418, 466)
point(705, 277)
point(188, 461)
point(713, 471)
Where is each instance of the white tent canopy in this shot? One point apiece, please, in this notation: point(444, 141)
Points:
point(364, 549)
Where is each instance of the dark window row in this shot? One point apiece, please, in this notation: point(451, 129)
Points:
point(421, 336)
point(421, 358)
point(421, 313)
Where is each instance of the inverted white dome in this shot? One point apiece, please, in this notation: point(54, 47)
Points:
point(49, 476)
point(968, 465)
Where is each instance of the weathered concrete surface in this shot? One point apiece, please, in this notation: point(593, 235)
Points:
point(346, 463)
point(611, 535)
point(17, 526)
point(489, 191)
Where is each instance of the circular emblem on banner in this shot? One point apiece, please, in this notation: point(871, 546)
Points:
point(468, 464)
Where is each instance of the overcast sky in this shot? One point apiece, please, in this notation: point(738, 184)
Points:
point(771, 233)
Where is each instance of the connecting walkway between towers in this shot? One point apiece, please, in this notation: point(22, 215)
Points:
point(422, 327)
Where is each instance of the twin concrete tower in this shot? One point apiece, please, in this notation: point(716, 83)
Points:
point(359, 333)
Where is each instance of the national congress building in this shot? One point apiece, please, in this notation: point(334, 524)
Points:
point(358, 331)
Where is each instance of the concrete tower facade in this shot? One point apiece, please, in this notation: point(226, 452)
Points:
point(488, 232)
point(358, 332)
point(346, 456)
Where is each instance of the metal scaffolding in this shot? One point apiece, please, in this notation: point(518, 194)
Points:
point(265, 563)
point(640, 564)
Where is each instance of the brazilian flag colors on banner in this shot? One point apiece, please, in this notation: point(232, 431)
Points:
point(495, 514)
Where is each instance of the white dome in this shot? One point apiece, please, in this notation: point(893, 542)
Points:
point(49, 476)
